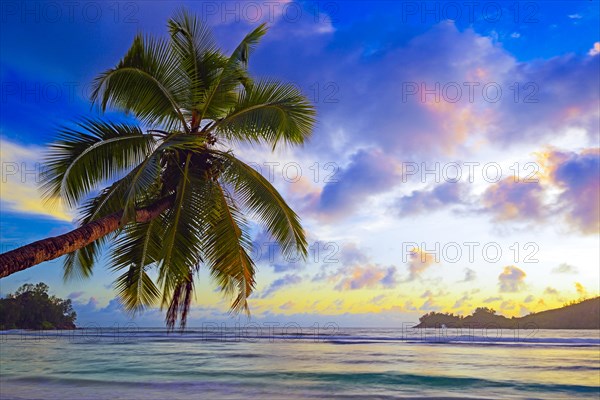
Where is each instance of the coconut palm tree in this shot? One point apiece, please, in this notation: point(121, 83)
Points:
point(175, 197)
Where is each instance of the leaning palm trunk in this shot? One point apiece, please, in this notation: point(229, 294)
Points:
point(48, 249)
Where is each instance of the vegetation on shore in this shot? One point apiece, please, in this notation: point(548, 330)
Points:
point(30, 307)
point(584, 314)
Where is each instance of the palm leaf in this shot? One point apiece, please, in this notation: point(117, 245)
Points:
point(180, 250)
point(180, 303)
point(226, 248)
point(141, 181)
point(193, 45)
point(83, 158)
point(222, 93)
point(80, 263)
point(269, 112)
point(138, 247)
point(242, 52)
point(260, 197)
point(145, 83)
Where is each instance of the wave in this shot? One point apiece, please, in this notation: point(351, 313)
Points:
point(129, 336)
point(223, 379)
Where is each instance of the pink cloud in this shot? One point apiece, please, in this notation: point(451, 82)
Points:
point(419, 261)
point(368, 276)
point(511, 200)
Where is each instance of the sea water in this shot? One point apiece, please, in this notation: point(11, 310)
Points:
point(348, 363)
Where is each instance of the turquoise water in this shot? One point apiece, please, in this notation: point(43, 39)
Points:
point(349, 363)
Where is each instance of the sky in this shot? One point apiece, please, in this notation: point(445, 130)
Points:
point(455, 162)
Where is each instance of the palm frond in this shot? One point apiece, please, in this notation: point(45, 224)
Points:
point(145, 83)
point(137, 248)
point(80, 263)
point(141, 181)
point(192, 41)
point(94, 152)
point(226, 248)
point(180, 250)
point(257, 195)
point(221, 94)
point(190, 36)
point(136, 289)
point(242, 52)
point(180, 303)
point(109, 200)
point(269, 112)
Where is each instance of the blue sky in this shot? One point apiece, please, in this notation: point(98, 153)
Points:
point(373, 214)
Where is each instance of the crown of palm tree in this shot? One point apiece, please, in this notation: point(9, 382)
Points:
point(194, 101)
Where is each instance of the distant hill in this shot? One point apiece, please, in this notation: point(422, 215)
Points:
point(581, 315)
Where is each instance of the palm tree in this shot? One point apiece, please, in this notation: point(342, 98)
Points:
point(177, 197)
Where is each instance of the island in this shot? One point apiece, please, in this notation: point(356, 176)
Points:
point(583, 314)
point(31, 307)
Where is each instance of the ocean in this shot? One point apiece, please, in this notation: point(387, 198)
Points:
point(294, 363)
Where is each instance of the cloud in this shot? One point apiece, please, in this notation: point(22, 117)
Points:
point(92, 303)
point(437, 126)
point(287, 306)
point(508, 305)
point(575, 176)
point(556, 96)
point(377, 299)
point(351, 254)
point(409, 306)
point(368, 276)
point(565, 269)
point(325, 274)
point(581, 291)
point(470, 275)
point(266, 250)
point(462, 301)
point(492, 299)
point(560, 84)
point(91, 314)
point(512, 279)
point(284, 16)
point(419, 261)
point(376, 140)
point(509, 200)
point(595, 50)
point(541, 303)
point(369, 172)
point(529, 299)
point(75, 295)
point(357, 272)
point(429, 305)
point(578, 176)
point(21, 174)
point(550, 291)
point(278, 284)
point(427, 201)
